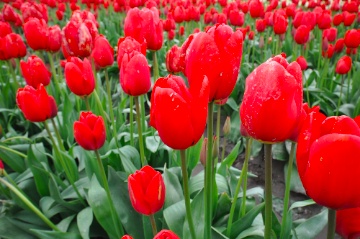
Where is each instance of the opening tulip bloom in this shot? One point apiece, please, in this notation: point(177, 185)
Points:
point(343, 66)
point(79, 76)
point(146, 190)
point(77, 40)
point(179, 114)
point(35, 71)
point(128, 45)
point(166, 234)
point(272, 106)
point(328, 162)
point(89, 131)
point(348, 223)
point(36, 104)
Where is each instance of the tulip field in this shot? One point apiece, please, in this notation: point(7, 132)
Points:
point(128, 118)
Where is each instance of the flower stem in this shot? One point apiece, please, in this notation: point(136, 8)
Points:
point(112, 117)
point(238, 186)
point(117, 225)
point(58, 137)
point(153, 224)
point(131, 120)
point(86, 99)
point(30, 205)
point(187, 194)
point(331, 224)
point(56, 82)
point(13, 151)
point(141, 143)
point(218, 115)
point(155, 67)
point(245, 172)
point(208, 176)
point(268, 190)
point(341, 90)
point(287, 189)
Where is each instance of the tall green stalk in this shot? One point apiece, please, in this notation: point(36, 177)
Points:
point(341, 90)
point(54, 75)
point(155, 67)
point(268, 190)
point(141, 142)
point(208, 175)
point(112, 117)
point(153, 224)
point(245, 169)
point(331, 224)
point(187, 194)
point(131, 99)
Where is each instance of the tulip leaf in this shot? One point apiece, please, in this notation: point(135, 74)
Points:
point(229, 160)
point(13, 160)
point(295, 182)
point(84, 220)
point(9, 229)
point(256, 148)
point(193, 155)
point(152, 143)
point(255, 232)
point(50, 208)
point(233, 105)
point(174, 216)
point(312, 226)
point(197, 183)
point(56, 195)
point(198, 215)
point(53, 234)
point(234, 127)
point(302, 204)
point(174, 191)
point(279, 152)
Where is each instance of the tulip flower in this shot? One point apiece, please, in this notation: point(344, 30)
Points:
point(12, 46)
point(343, 66)
point(256, 8)
point(302, 62)
point(217, 54)
point(324, 21)
point(348, 18)
point(54, 39)
point(103, 54)
point(330, 34)
point(77, 40)
point(36, 33)
point(260, 25)
point(135, 74)
point(173, 59)
point(5, 29)
point(348, 223)
point(352, 38)
point(280, 24)
point(89, 131)
point(236, 18)
point(178, 113)
point(271, 107)
point(305, 18)
point(302, 34)
point(33, 10)
point(36, 104)
point(126, 237)
point(35, 71)
point(146, 190)
point(166, 234)
point(10, 15)
point(327, 160)
point(338, 19)
point(79, 76)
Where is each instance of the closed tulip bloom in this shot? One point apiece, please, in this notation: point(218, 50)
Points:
point(302, 34)
point(36, 33)
point(12, 46)
point(126, 237)
point(128, 45)
point(236, 18)
point(5, 29)
point(271, 107)
point(324, 21)
point(280, 24)
point(77, 40)
point(256, 8)
point(166, 234)
point(33, 10)
point(54, 39)
point(10, 15)
point(305, 18)
point(343, 66)
point(302, 62)
point(327, 160)
point(173, 60)
point(35, 72)
point(260, 25)
point(330, 34)
point(352, 38)
point(135, 74)
point(145, 24)
point(89, 131)
point(348, 223)
point(79, 76)
point(338, 19)
point(178, 113)
point(103, 53)
point(146, 190)
point(217, 54)
point(36, 104)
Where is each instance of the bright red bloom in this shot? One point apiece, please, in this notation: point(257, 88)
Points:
point(172, 60)
point(36, 104)
point(146, 190)
point(251, 35)
point(145, 24)
point(216, 54)
point(5, 29)
point(324, 20)
point(348, 18)
point(12, 46)
point(179, 14)
point(260, 25)
point(89, 131)
point(329, 52)
point(236, 18)
point(339, 45)
point(338, 19)
point(181, 30)
point(302, 62)
point(36, 33)
point(256, 8)
point(135, 74)
point(178, 113)
point(330, 34)
point(35, 71)
point(271, 107)
point(79, 76)
point(352, 6)
point(348, 223)
point(327, 160)
point(352, 38)
point(127, 237)
point(10, 15)
point(343, 66)
point(34, 10)
point(103, 53)
point(302, 34)
point(128, 45)
point(1, 167)
point(280, 24)
point(305, 18)
point(166, 234)
point(77, 40)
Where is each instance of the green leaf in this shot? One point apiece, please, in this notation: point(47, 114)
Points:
point(65, 223)
point(295, 182)
point(152, 143)
point(197, 183)
point(246, 221)
point(130, 158)
point(279, 152)
point(174, 191)
point(14, 161)
point(193, 155)
point(174, 216)
point(229, 160)
point(256, 148)
point(312, 226)
point(302, 204)
point(84, 220)
point(53, 234)
point(233, 105)
point(9, 230)
point(100, 204)
point(255, 232)
point(198, 215)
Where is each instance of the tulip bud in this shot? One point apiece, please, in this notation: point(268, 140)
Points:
point(1, 168)
point(126, 237)
point(227, 126)
point(343, 65)
point(35, 71)
point(166, 234)
point(215, 149)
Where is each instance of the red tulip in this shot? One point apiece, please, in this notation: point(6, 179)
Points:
point(256, 8)
point(327, 160)
point(305, 18)
point(181, 30)
point(33, 10)
point(260, 25)
point(35, 72)
point(251, 35)
point(128, 45)
point(135, 74)
point(330, 34)
point(12, 46)
point(338, 19)
point(89, 131)
point(36, 104)
point(324, 20)
point(339, 45)
point(352, 38)
point(54, 39)
point(351, 6)
point(348, 18)
point(1, 168)
point(145, 24)
point(302, 62)
point(77, 40)
point(343, 66)
point(280, 24)
point(236, 18)
point(166, 234)
point(10, 15)
point(103, 54)
point(79, 76)
point(126, 237)
point(36, 33)
point(5, 29)
point(173, 59)
point(216, 54)
point(179, 14)
point(302, 34)
point(171, 35)
point(146, 190)
point(178, 113)
point(271, 107)
point(348, 223)
point(329, 52)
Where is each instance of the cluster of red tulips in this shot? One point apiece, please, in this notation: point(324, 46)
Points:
point(59, 60)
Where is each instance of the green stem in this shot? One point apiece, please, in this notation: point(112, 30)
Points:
point(30, 205)
point(268, 190)
point(15, 84)
point(112, 117)
point(142, 110)
point(187, 194)
point(131, 120)
point(13, 151)
point(117, 225)
point(155, 67)
point(223, 150)
point(218, 115)
point(87, 105)
point(245, 171)
point(153, 224)
point(58, 137)
point(56, 82)
point(141, 143)
point(331, 224)
point(287, 189)
point(307, 90)
point(208, 175)
point(238, 186)
point(98, 102)
point(341, 90)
